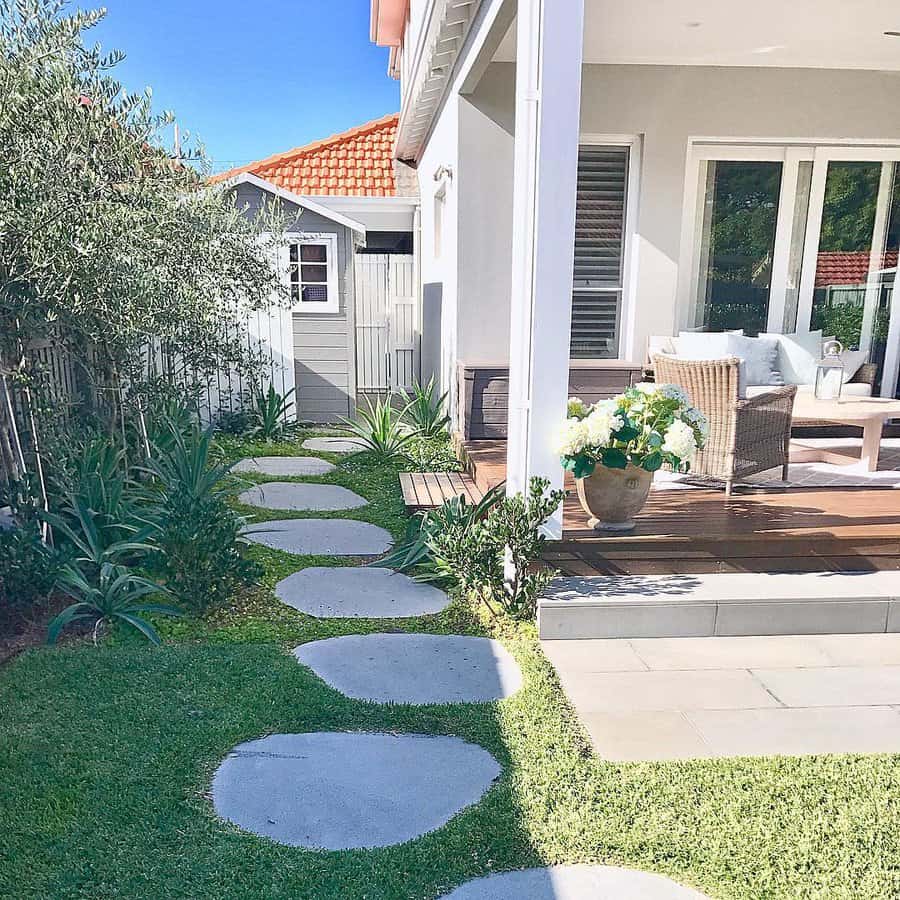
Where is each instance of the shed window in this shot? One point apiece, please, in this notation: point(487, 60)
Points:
point(312, 273)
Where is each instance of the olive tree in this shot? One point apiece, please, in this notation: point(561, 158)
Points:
point(109, 242)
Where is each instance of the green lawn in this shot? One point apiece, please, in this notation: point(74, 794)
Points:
point(106, 756)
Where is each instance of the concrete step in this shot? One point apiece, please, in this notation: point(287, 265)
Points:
point(637, 606)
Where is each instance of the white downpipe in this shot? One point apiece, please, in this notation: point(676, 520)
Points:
point(548, 67)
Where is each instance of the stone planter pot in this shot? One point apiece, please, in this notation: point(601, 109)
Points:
point(613, 497)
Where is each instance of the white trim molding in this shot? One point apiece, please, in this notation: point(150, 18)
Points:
point(548, 106)
point(315, 206)
point(315, 238)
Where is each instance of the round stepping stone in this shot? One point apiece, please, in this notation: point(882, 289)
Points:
point(327, 537)
point(333, 445)
point(343, 791)
point(292, 495)
point(284, 465)
point(359, 593)
point(574, 883)
point(414, 668)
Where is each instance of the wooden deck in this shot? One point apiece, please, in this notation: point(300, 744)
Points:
point(700, 531)
point(427, 490)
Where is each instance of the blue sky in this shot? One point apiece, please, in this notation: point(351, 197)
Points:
point(251, 77)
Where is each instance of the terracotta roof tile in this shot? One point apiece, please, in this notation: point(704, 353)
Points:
point(847, 268)
point(358, 162)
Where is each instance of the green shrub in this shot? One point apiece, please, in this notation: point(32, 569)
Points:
point(28, 568)
point(198, 552)
point(234, 422)
point(432, 454)
point(414, 552)
point(493, 558)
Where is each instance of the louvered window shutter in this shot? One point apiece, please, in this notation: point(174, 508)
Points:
point(599, 251)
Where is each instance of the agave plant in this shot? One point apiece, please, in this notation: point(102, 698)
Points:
point(188, 466)
point(270, 412)
point(118, 595)
point(379, 430)
point(426, 409)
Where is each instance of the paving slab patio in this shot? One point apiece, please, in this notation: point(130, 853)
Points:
point(677, 698)
point(320, 537)
point(574, 883)
point(284, 465)
point(414, 668)
point(359, 593)
point(296, 496)
point(342, 791)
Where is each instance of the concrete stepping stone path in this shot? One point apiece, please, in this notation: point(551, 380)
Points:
point(284, 465)
point(359, 593)
point(574, 883)
point(343, 791)
point(333, 445)
point(322, 537)
point(414, 668)
point(296, 496)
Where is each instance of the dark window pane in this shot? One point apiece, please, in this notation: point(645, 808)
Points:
point(315, 293)
point(314, 273)
point(293, 252)
point(294, 270)
point(295, 293)
point(313, 253)
point(740, 209)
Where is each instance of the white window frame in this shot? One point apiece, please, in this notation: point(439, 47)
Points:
point(790, 152)
point(628, 307)
point(329, 241)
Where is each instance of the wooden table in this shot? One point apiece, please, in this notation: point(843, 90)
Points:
point(868, 413)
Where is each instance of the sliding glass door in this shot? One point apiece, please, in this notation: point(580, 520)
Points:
point(795, 238)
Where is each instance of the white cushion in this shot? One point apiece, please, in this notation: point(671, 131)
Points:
point(760, 356)
point(852, 360)
point(660, 343)
point(702, 345)
point(798, 355)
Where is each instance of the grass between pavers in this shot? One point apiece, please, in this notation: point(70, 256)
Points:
point(106, 757)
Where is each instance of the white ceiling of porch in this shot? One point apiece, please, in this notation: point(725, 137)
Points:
point(832, 34)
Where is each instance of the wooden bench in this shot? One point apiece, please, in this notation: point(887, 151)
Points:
point(428, 490)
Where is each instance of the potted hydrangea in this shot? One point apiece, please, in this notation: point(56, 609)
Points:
point(614, 447)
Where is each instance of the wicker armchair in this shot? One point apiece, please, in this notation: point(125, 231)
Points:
point(745, 436)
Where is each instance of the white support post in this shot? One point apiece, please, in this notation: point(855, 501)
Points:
point(548, 105)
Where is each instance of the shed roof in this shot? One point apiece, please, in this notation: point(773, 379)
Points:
point(354, 163)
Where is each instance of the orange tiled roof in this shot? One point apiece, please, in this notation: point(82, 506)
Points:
point(355, 163)
point(838, 267)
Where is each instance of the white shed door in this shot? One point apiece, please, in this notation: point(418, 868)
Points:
point(387, 326)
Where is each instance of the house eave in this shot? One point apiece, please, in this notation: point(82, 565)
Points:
point(313, 205)
point(446, 27)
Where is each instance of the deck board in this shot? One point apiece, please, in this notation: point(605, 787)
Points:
point(695, 531)
point(428, 490)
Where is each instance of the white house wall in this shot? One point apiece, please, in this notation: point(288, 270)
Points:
point(442, 153)
point(667, 106)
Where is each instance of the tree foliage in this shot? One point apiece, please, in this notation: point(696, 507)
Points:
point(106, 239)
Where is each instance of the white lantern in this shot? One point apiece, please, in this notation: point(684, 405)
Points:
point(830, 372)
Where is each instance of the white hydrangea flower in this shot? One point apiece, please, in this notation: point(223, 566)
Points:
point(571, 438)
point(679, 441)
point(576, 408)
point(602, 422)
point(646, 387)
